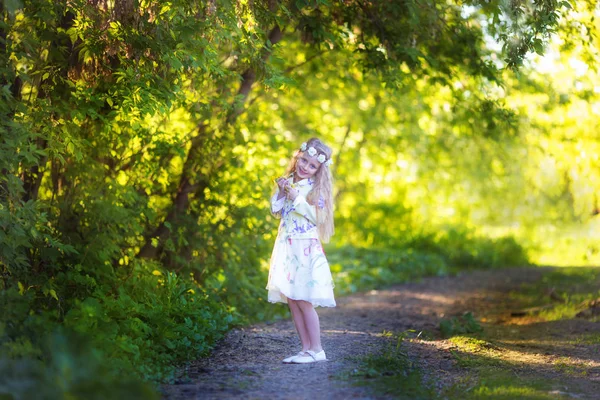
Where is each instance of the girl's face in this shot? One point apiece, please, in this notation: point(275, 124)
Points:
point(307, 166)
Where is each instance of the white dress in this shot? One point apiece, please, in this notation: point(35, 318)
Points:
point(299, 269)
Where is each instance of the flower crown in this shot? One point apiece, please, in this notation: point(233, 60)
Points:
point(322, 158)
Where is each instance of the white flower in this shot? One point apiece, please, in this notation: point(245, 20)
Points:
point(321, 158)
point(312, 151)
point(303, 146)
point(329, 162)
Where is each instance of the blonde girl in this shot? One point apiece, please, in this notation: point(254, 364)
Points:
point(299, 273)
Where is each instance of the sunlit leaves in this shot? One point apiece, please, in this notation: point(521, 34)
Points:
point(163, 125)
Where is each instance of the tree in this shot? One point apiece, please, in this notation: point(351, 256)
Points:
point(127, 127)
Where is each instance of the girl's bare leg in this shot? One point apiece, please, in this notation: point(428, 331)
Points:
point(311, 322)
point(298, 319)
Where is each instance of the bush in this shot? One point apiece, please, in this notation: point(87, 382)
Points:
point(70, 368)
point(462, 248)
point(359, 268)
point(152, 323)
point(144, 329)
point(356, 268)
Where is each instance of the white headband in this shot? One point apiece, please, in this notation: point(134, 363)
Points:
point(322, 158)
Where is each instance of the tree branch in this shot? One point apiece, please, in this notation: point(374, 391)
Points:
point(309, 59)
point(185, 186)
point(249, 76)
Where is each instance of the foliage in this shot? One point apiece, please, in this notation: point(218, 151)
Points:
point(138, 141)
point(152, 324)
point(72, 369)
point(462, 248)
point(394, 260)
point(466, 323)
point(357, 268)
point(144, 327)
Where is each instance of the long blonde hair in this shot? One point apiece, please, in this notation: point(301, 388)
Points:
point(322, 189)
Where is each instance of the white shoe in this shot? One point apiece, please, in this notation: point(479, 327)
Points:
point(290, 358)
point(309, 356)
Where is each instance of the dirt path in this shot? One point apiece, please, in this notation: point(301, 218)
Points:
point(246, 364)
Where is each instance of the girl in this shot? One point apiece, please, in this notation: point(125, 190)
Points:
point(299, 273)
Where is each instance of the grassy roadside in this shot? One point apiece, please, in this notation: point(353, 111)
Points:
point(491, 374)
point(390, 372)
point(545, 352)
point(562, 294)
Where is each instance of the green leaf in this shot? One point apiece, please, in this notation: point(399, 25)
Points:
point(13, 6)
point(538, 45)
point(566, 5)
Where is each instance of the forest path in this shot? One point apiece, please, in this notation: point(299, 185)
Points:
point(247, 362)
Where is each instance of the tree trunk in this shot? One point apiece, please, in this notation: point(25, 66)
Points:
point(32, 177)
point(15, 91)
point(185, 186)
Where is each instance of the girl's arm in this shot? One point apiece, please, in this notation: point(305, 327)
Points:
point(278, 198)
point(277, 201)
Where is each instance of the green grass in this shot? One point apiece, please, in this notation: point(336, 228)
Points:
point(471, 352)
point(471, 344)
point(592, 338)
point(390, 372)
point(565, 291)
point(460, 325)
point(494, 379)
point(566, 367)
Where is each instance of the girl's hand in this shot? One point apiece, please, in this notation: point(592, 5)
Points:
point(292, 193)
point(282, 183)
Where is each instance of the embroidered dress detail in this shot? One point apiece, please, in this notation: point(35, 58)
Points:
point(298, 268)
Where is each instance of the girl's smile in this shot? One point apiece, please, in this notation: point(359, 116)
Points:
point(306, 166)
